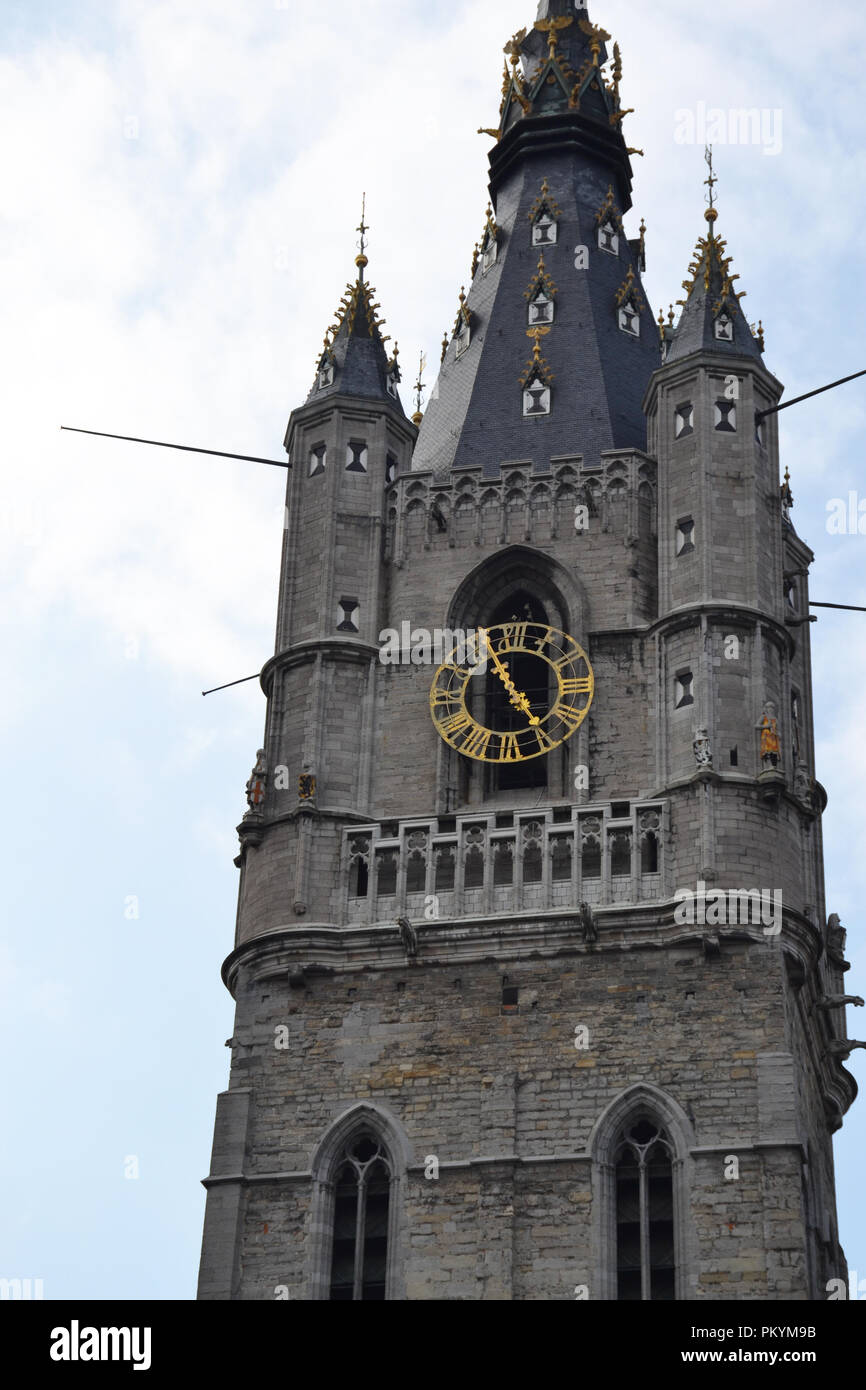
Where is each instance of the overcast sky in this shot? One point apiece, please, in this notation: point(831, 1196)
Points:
point(181, 184)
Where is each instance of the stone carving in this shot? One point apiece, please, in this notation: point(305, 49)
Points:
point(306, 786)
point(803, 783)
point(838, 1001)
point(844, 1047)
point(770, 742)
point(588, 928)
point(408, 936)
point(702, 750)
point(257, 783)
point(836, 936)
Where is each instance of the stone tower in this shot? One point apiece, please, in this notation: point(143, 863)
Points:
point(536, 996)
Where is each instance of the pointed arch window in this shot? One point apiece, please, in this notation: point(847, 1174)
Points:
point(645, 1245)
point(359, 1251)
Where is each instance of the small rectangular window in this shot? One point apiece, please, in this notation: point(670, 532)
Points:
point(685, 536)
point(684, 420)
point(683, 690)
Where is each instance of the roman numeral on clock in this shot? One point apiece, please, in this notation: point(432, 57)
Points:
point(475, 744)
point(445, 697)
point(454, 723)
point(509, 751)
point(576, 685)
point(572, 718)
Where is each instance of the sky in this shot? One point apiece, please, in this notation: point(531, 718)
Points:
point(181, 186)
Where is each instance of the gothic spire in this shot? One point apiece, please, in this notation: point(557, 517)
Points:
point(354, 360)
point(712, 318)
point(555, 271)
point(558, 88)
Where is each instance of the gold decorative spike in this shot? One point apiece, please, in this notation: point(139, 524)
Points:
point(661, 323)
point(537, 368)
point(629, 291)
point(444, 347)
point(617, 71)
point(552, 27)
point(609, 210)
point(631, 150)
point(671, 315)
point(597, 36)
point(487, 130)
point(544, 200)
point(616, 116)
point(512, 48)
point(541, 281)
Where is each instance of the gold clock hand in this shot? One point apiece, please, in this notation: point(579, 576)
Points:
point(516, 697)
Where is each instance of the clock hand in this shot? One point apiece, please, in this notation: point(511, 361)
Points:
point(516, 697)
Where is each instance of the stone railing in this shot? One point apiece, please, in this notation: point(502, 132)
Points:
point(504, 863)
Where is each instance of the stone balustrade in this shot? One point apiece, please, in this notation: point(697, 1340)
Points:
point(496, 862)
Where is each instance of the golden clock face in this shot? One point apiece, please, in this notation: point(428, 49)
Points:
point(517, 692)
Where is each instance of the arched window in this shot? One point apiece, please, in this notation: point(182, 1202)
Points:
point(645, 1259)
point(359, 1254)
point(357, 1229)
point(641, 1176)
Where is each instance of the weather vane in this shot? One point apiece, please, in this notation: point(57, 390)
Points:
point(419, 387)
point(363, 228)
point(712, 180)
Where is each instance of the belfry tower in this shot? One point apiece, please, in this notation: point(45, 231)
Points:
point(536, 993)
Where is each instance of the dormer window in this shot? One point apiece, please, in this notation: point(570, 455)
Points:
point(726, 416)
point(536, 398)
point(541, 309)
point(489, 252)
point(684, 420)
point(608, 238)
point(544, 230)
point(462, 337)
point(326, 375)
point(318, 459)
point(629, 318)
point(356, 456)
point(724, 328)
point(391, 385)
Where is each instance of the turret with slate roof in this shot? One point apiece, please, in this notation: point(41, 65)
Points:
point(712, 318)
point(560, 184)
point(354, 360)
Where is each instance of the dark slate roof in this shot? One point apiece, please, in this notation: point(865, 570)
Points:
point(556, 132)
point(355, 349)
point(710, 295)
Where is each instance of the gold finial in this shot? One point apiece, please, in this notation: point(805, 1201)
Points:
point(419, 388)
point(444, 346)
point(551, 28)
point(671, 316)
